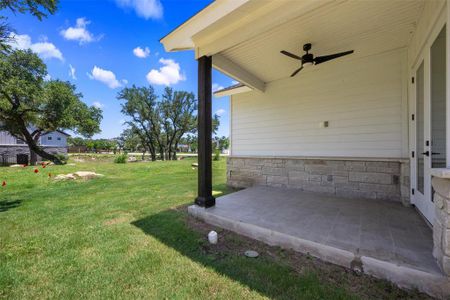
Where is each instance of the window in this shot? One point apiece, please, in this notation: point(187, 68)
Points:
point(19, 142)
point(49, 138)
point(58, 138)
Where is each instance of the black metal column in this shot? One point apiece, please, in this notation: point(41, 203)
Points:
point(205, 198)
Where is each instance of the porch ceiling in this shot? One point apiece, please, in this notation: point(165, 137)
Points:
point(368, 27)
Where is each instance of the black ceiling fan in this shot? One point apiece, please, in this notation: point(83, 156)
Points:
point(308, 59)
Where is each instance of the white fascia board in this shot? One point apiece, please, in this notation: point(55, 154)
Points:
point(181, 38)
point(232, 91)
point(235, 71)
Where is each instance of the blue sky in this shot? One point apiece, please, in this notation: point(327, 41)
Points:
point(98, 40)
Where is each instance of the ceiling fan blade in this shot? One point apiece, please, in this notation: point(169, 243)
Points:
point(290, 55)
point(322, 59)
point(296, 71)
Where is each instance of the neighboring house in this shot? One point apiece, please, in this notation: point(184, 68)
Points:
point(339, 147)
point(14, 150)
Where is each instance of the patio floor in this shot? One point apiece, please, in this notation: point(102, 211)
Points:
point(382, 238)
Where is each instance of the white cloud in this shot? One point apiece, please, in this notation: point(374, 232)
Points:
point(167, 75)
point(44, 49)
point(220, 112)
point(147, 9)
point(105, 76)
point(72, 72)
point(47, 77)
point(79, 32)
point(216, 87)
point(98, 104)
point(141, 53)
point(233, 82)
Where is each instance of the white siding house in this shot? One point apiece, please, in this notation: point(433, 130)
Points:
point(14, 150)
point(373, 125)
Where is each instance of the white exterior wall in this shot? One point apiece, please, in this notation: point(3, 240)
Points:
point(7, 139)
point(364, 100)
point(57, 139)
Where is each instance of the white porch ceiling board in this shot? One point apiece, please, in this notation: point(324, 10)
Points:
point(368, 27)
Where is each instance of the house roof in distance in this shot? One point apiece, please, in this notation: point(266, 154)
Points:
point(232, 90)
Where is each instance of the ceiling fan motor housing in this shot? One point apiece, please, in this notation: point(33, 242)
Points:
point(307, 47)
point(308, 58)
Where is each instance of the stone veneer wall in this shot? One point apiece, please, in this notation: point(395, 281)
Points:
point(441, 226)
point(9, 152)
point(362, 178)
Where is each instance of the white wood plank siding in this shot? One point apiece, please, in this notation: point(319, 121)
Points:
point(363, 101)
point(6, 138)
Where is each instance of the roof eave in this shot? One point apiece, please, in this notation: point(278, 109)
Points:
point(180, 38)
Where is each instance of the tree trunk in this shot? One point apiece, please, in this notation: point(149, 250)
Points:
point(34, 147)
point(33, 157)
point(143, 154)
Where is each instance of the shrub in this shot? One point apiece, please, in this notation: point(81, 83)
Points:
point(216, 155)
point(121, 158)
point(62, 157)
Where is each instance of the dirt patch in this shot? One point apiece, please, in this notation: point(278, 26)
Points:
point(125, 218)
point(361, 285)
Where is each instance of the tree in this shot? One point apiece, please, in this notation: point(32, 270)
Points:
point(221, 143)
point(38, 8)
point(177, 114)
point(30, 106)
point(140, 105)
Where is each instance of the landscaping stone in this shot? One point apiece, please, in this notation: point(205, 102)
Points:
point(86, 175)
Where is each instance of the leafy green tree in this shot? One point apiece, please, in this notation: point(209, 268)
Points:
point(140, 105)
point(221, 143)
point(38, 8)
point(30, 106)
point(178, 118)
point(76, 141)
point(132, 140)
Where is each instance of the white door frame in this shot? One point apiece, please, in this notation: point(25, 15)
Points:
point(424, 201)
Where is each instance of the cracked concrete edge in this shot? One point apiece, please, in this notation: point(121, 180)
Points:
point(435, 285)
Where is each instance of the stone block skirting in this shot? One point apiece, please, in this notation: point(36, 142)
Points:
point(8, 153)
point(386, 179)
point(441, 226)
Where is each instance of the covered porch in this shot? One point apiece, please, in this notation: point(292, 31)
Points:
point(334, 156)
point(381, 238)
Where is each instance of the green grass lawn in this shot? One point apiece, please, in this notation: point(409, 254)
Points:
point(120, 236)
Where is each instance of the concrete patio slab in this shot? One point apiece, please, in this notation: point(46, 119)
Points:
point(382, 238)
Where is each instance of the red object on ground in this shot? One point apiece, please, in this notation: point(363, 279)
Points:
point(3, 183)
point(43, 166)
point(49, 174)
point(24, 165)
point(36, 171)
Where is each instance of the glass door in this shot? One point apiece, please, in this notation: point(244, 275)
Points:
point(421, 161)
point(438, 101)
point(429, 123)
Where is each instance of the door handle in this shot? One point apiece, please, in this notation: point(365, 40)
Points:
point(427, 153)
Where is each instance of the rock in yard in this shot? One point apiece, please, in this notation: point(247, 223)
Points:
point(195, 165)
point(87, 174)
point(251, 253)
point(78, 175)
point(65, 177)
point(15, 166)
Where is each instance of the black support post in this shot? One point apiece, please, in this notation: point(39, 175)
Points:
point(205, 198)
